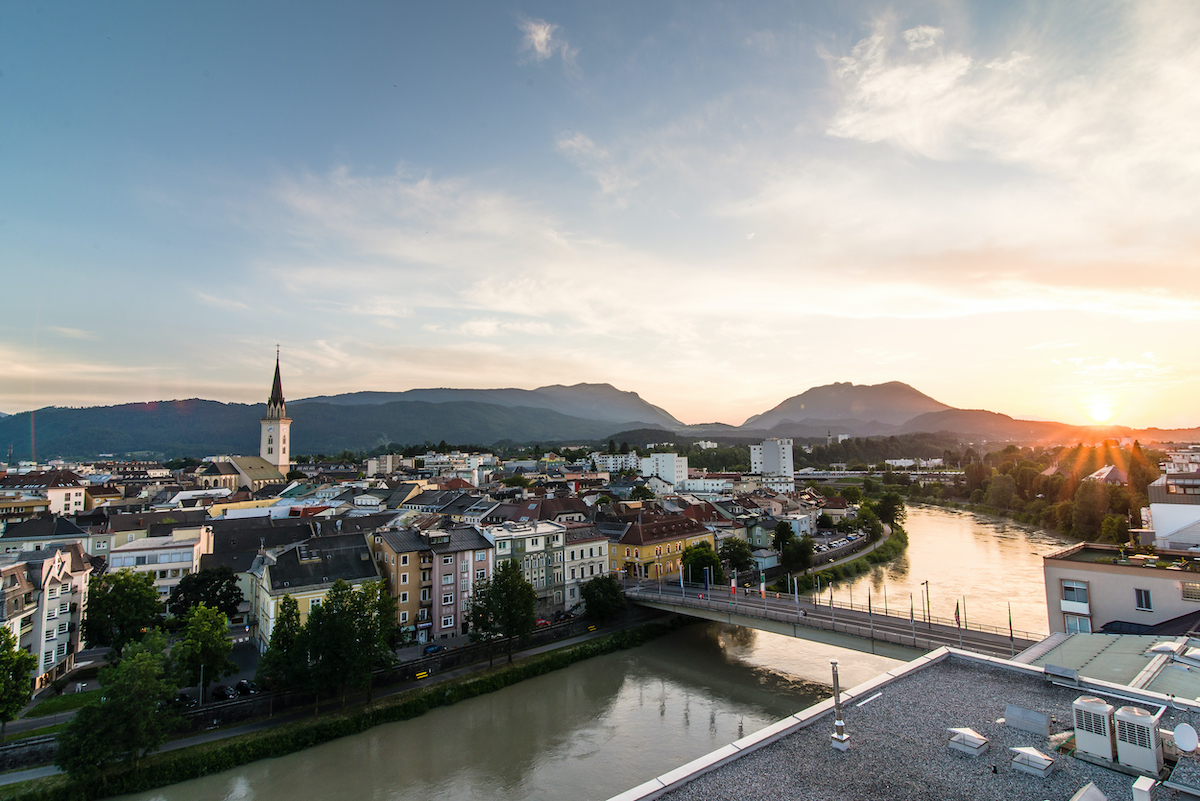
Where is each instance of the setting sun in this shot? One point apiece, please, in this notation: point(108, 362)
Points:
point(1100, 410)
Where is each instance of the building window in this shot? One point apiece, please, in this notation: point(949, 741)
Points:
point(448, 578)
point(1191, 591)
point(1142, 601)
point(52, 592)
point(314, 605)
point(447, 621)
point(48, 659)
point(63, 608)
point(61, 650)
point(466, 565)
point(425, 594)
point(404, 597)
point(572, 572)
point(571, 593)
point(404, 559)
point(404, 617)
point(447, 598)
point(62, 629)
point(424, 575)
point(49, 634)
point(403, 578)
point(465, 584)
point(1077, 624)
point(422, 615)
point(480, 575)
point(1074, 591)
point(447, 560)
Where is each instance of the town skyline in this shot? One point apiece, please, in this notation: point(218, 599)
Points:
point(717, 208)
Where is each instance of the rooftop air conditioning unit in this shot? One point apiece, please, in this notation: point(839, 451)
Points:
point(1094, 733)
point(1138, 743)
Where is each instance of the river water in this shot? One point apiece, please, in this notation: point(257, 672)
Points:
point(605, 725)
point(978, 562)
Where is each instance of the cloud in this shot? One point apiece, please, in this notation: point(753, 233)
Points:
point(73, 333)
point(221, 302)
point(613, 178)
point(922, 36)
point(540, 43)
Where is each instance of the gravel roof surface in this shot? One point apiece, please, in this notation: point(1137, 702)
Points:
point(898, 746)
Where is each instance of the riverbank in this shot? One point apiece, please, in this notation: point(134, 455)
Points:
point(221, 751)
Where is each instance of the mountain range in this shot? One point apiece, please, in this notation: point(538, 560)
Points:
point(575, 414)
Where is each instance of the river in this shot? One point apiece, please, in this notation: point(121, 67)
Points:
point(979, 562)
point(605, 725)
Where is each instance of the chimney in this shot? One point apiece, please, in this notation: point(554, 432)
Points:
point(839, 739)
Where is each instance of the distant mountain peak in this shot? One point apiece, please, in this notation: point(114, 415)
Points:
point(892, 402)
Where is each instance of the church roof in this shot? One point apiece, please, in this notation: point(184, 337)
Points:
point(275, 407)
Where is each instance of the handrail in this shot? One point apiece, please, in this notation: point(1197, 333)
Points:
point(875, 611)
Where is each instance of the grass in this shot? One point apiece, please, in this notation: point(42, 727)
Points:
point(63, 703)
point(34, 733)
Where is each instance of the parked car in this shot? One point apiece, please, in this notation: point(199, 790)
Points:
point(244, 687)
point(223, 693)
point(542, 622)
point(433, 649)
point(184, 701)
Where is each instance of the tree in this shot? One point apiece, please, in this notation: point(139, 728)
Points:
point(516, 481)
point(203, 653)
point(375, 620)
point(700, 556)
point(1000, 492)
point(783, 535)
point(735, 552)
point(481, 616)
point(512, 602)
point(333, 646)
point(852, 494)
point(133, 718)
point(15, 667)
point(1114, 528)
point(215, 587)
point(798, 554)
point(285, 662)
point(1087, 514)
point(641, 493)
point(890, 509)
point(122, 606)
point(603, 597)
point(868, 522)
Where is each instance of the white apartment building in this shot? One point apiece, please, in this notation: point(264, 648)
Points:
point(773, 457)
point(538, 548)
point(1175, 510)
point(670, 467)
point(168, 558)
point(44, 602)
point(616, 462)
point(1090, 586)
point(585, 559)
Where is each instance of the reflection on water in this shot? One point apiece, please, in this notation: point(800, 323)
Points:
point(981, 563)
point(589, 731)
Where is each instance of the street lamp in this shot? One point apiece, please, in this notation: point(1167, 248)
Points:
point(928, 604)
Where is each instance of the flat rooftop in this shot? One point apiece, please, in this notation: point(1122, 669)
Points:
point(1111, 555)
point(898, 742)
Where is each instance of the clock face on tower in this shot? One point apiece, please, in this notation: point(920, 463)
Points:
point(270, 428)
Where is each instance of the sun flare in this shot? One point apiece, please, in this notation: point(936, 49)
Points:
point(1100, 410)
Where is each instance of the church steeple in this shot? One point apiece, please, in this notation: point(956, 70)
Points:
point(275, 408)
point(275, 426)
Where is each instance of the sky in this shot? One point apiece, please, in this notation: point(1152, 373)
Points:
point(716, 205)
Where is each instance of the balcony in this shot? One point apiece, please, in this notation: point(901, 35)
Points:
point(1076, 607)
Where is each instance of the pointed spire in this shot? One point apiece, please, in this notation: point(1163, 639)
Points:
point(275, 402)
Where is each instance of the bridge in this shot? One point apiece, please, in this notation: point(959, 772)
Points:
point(844, 625)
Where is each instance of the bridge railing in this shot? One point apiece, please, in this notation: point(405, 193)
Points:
point(651, 587)
point(919, 639)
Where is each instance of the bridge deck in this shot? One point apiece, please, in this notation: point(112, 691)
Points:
point(804, 619)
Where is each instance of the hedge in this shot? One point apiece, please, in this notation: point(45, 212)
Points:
point(159, 770)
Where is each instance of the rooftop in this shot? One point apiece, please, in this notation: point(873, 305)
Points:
point(897, 725)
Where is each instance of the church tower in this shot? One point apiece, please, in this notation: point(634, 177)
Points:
point(275, 427)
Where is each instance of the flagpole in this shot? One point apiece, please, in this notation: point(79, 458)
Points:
point(957, 624)
point(871, 620)
point(1012, 646)
point(912, 620)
